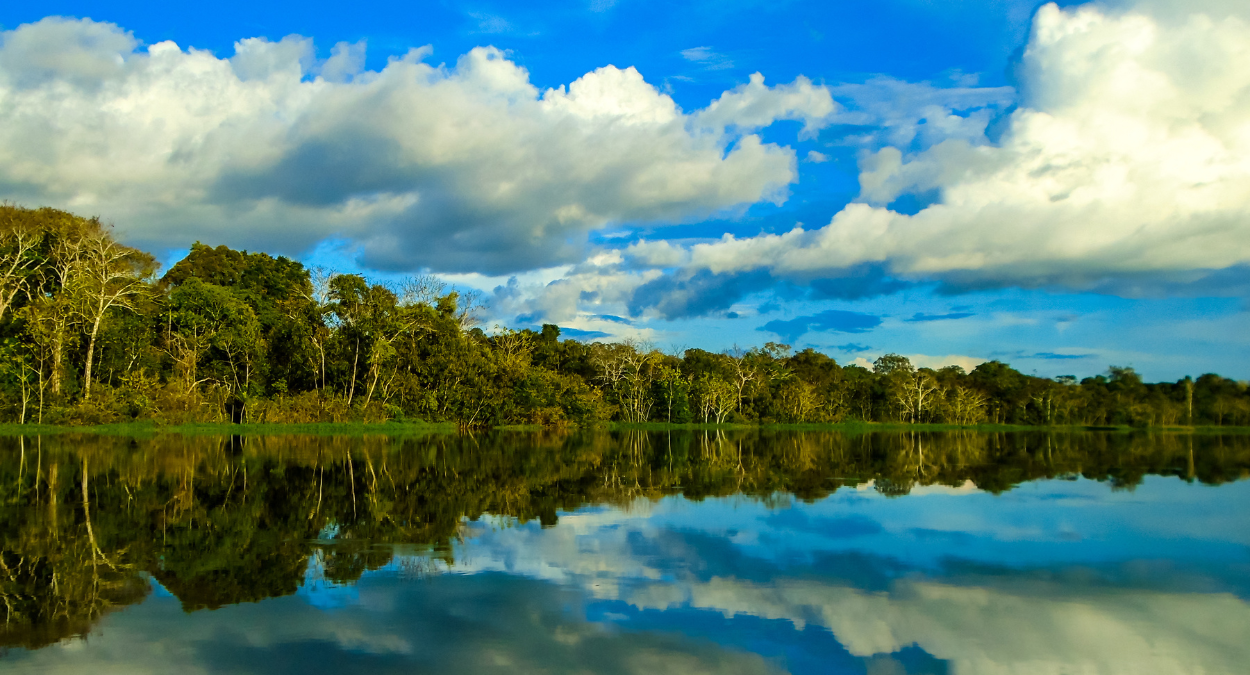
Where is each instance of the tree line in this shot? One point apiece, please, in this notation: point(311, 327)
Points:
point(222, 520)
point(91, 332)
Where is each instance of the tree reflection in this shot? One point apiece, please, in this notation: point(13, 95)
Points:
point(224, 520)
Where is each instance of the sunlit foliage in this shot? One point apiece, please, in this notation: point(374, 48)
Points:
point(90, 334)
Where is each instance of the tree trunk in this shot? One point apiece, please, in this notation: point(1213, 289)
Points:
point(86, 380)
point(352, 392)
point(373, 385)
point(57, 341)
point(1189, 399)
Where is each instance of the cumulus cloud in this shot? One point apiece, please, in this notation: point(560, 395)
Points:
point(462, 168)
point(704, 292)
point(1123, 168)
point(754, 105)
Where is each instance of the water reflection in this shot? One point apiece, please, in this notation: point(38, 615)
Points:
point(745, 552)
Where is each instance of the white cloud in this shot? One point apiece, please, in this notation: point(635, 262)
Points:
point(707, 58)
point(656, 253)
point(919, 114)
point(698, 53)
point(346, 61)
point(600, 285)
point(1128, 157)
point(458, 168)
point(754, 105)
point(968, 363)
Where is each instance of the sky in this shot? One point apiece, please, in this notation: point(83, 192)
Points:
point(1062, 187)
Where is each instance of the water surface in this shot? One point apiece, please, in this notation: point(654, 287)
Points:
point(751, 552)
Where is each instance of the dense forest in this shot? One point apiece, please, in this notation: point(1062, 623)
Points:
point(91, 332)
point(223, 520)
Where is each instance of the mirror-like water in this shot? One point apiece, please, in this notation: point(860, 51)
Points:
point(631, 552)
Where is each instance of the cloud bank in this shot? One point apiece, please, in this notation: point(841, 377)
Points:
point(1125, 162)
point(1119, 166)
point(455, 168)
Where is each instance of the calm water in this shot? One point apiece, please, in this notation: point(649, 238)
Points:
point(627, 553)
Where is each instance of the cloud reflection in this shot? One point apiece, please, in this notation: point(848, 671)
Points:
point(941, 581)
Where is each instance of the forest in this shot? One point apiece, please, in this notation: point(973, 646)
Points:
point(92, 332)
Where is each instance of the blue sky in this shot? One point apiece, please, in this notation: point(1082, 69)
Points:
point(1061, 187)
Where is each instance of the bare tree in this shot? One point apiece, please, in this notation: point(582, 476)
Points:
point(109, 275)
point(798, 399)
point(423, 289)
point(916, 392)
point(320, 277)
point(17, 261)
point(744, 371)
point(713, 396)
point(967, 406)
point(56, 311)
point(470, 307)
point(627, 369)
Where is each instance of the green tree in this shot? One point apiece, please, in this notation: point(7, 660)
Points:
point(201, 317)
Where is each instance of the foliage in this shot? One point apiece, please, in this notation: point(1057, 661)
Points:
point(88, 335)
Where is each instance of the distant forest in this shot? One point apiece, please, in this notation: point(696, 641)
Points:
point(90, 334)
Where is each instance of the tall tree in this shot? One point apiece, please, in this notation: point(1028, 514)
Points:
point(20, 241)
point(110, 276)
point(200, 316)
